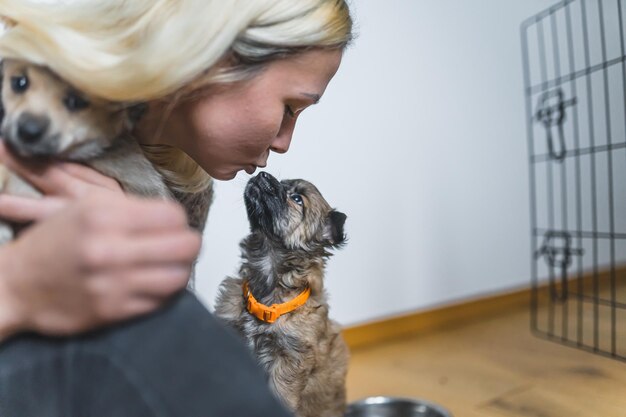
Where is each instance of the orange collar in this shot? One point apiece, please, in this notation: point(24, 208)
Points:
point(272, 313)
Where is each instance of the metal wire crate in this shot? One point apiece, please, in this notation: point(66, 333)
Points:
point(575, 87)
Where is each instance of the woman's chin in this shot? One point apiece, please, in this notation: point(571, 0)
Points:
point(229, 174)
point(226, 175)
point(223, 175)
point(250, 169)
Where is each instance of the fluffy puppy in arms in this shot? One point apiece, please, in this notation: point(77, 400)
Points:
point(46, 118)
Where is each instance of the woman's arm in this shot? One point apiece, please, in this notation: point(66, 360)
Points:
point(94, 255)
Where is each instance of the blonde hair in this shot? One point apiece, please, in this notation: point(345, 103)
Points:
point(142, 50)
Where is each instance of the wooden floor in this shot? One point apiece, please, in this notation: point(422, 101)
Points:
point(492, 368)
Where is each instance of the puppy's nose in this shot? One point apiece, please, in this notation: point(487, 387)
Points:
point(267, 183)
point(266, 180)
point(30, 128)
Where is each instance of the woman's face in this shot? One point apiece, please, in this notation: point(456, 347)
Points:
point(236, 127)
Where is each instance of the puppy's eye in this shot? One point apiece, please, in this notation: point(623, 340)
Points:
point(19, 83)
point(297, 198)
point(74, 102)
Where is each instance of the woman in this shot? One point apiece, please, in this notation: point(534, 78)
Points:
point(225, 82)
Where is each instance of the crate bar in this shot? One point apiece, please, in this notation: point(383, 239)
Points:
point(623, 52)
point(594, 210)
point(564, 283)
point(575, 75)
point(584, 234)
point(583, 151)
point(531, 173)
point(607, 104)
point(550, 179)
point(584, 347)
point(544, 13)
point(606, 303)
point(579, 221)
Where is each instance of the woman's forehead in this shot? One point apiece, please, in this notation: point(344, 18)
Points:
point(312, 68)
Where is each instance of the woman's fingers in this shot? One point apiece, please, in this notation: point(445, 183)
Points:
point(27, 209)
point(139, 306)
point(167, 247)
point(154, 282)
point(89, 175)
point(69, 181)
point(131, 215)
point(159, 283)
point(125, 292)
point(64, 179)
point(28, 171)
point(47, 178)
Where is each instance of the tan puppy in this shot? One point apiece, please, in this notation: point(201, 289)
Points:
point(45, 117)
point(292, 231)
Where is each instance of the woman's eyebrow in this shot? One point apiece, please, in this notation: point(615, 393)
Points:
point(314, 97)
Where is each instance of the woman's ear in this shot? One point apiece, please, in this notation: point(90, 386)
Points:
point(333, 230)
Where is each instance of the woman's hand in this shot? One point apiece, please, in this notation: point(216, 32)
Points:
point(60, 183)
point(104, 257)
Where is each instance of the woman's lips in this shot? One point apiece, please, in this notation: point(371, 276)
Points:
point(250, 169)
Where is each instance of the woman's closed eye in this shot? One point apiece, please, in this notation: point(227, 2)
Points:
point(294, 109)
point(289, 111)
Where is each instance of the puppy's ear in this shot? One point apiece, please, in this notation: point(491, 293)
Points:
point(333, 230)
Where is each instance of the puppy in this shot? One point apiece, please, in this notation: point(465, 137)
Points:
point(46, 118)
point(301, 349)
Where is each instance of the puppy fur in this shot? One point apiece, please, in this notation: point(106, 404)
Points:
point(293, 229)
point(46, 118)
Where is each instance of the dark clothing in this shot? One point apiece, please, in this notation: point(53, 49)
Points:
point(177, 362)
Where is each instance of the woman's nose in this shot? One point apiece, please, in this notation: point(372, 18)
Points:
point(282, 141)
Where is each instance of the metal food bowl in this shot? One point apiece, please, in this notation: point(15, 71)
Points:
point(394, 407)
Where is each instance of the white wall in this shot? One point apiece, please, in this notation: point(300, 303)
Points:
point(421, 140)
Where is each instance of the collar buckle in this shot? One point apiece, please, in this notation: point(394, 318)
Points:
point(269, 316)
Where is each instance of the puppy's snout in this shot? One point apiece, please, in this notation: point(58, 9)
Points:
point(267, 182)
point(31, 128)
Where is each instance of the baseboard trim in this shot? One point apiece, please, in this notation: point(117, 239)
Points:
point(441, 318)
